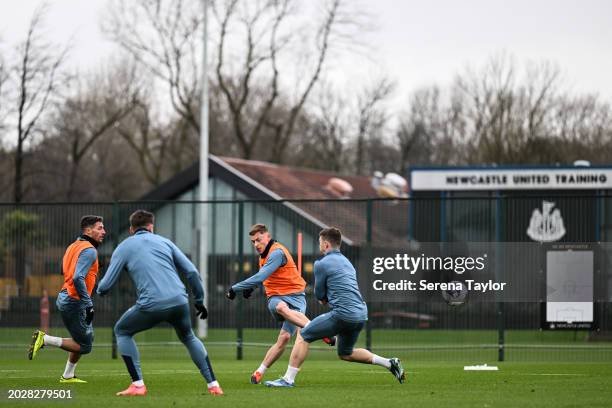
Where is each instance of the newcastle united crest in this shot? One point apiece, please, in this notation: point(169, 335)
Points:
point(547, 225)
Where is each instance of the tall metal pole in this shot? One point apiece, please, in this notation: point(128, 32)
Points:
point(239, 309)
point(203, 255)
point(501, 338)
point(115, 291)
point(369, 208)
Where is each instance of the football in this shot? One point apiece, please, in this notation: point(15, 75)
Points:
point(456, 295)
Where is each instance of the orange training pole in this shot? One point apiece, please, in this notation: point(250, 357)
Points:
point(299, 261)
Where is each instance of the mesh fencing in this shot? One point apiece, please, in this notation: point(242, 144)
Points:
point(33, 238)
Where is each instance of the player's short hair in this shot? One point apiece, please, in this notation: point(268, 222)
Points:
point(88, 221)
point(257, 228)
point(332, 235)
point(141, 218)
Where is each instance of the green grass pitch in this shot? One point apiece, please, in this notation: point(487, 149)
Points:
point(325, 381)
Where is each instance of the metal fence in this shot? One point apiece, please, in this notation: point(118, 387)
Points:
point(33, 238)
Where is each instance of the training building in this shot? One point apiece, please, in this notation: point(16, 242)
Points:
point(550, 205)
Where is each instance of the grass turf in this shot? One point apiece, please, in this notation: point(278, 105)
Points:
point(573, 377)
point(323, 382)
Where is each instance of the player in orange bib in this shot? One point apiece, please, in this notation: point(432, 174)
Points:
point(80, 268)
point(284, 287)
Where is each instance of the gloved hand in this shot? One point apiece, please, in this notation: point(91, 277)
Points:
point(201, 311)
point(89, 314)
point(247, 293)
point(230, 294)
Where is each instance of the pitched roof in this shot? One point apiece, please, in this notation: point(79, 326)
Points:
point(268, 181)
point(299, 183)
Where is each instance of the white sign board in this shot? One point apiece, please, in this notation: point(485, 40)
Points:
point(570, 289)
point(505, 179)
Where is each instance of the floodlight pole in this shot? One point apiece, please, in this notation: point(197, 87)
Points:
point(203, 230)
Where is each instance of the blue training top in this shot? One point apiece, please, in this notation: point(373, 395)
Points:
point(152, 262)
point(336, 282)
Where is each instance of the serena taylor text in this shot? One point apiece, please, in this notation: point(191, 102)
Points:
point(424, 285)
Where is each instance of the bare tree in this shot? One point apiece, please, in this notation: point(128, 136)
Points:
point(148, 142)
point(252, 38)
point(236, 88)
point(35, 77)
point(429, 130)
point(414, 145)
point(487, 116)
point(504, 114)
point(372, 118)
point(327, 137)
point(3, 96)
point(332, 31)
point(345, 130)
point(166, 37)
point(96, 108)
point(582, 129)
point(6, 170)
point(114, 170)
point(504, 110)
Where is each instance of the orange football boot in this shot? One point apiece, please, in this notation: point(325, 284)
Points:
point(133, 390)
point(216, 390)
point(256, 377)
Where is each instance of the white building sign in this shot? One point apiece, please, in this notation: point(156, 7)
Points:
point(504, 179)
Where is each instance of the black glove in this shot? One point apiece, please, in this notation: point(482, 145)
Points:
point(201, 311)
point(89, 314)
point(247, 293)
point(230, 294)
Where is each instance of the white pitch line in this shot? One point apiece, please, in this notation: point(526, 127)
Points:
point(85, 373)
point(555, 374)
point(106, 373)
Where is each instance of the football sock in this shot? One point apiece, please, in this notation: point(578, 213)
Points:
point(381, 361)
point(290, 374)
point(207, 371)
point(262, 368)
point(69, 370)
point(52, 341)
point(213, 384)
point(134, 371)
point(138, 383)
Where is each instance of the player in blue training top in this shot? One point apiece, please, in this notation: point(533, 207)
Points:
point(336, 285)
point(152, 262)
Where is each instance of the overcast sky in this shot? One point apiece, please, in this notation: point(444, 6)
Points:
point(418, 42)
